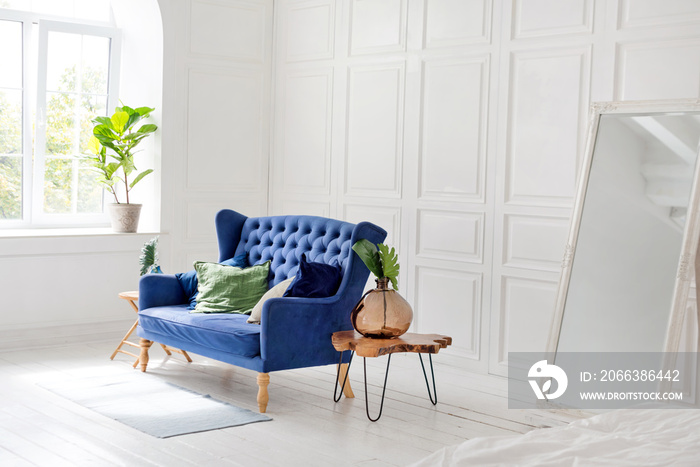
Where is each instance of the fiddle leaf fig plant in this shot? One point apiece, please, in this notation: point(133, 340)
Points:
point(379, 259)
point(113, 148)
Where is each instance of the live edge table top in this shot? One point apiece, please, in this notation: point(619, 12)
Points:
point(371, 347)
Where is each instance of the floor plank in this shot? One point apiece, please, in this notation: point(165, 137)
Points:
point(38, 427)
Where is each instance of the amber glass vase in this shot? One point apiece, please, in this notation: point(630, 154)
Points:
point(382, 312)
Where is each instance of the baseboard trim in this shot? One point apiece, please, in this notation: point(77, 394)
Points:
point(55, 335)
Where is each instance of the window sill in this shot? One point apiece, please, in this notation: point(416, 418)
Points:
point(69, 232)
point(77, 241)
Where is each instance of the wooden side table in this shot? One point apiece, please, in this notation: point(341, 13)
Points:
point(133, 297)
point(369, 347)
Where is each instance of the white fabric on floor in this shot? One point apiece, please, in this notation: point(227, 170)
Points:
point(649, 437)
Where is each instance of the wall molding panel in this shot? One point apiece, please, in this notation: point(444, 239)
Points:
point(453, 129)
point(374, 130)
point(310, 31)
point(521, 299)
point(387, 217)
point(548, 89)
point(306, 141)
point(234, 30)
point(634, 14)
point(449, 301)
point(227, 133)
point(451, 235)
point(543, 18)
point(534, 242)
point(451, 23)
point(377, 26)
point(659, 61)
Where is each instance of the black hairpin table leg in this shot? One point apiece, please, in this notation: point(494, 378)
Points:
point(432, 374)
point(381, 405)
point(368, 347)
point(336, 396)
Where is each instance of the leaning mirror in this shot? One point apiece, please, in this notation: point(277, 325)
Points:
point(626, 274)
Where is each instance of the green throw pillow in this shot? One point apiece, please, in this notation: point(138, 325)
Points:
point(228, 289)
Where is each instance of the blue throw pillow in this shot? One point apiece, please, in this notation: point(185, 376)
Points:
point(314, 280)
point(236, 261)
point(188, 280)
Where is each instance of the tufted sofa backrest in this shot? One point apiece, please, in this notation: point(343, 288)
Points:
point(283, 239)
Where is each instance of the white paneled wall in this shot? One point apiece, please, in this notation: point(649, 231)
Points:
point(219, 89)
point(397, 133)
point(544, 89)
point(458, 126)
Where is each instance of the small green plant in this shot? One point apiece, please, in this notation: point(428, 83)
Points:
point(149, 257)
point(113, 147)
point(379, 259)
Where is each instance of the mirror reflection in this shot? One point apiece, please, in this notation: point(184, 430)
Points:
point(630, 234)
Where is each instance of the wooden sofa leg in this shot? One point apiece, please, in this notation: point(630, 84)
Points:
point(143, 358)
point(263, 396)
point(347, 390)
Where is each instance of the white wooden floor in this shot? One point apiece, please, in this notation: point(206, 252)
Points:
point(308, 428)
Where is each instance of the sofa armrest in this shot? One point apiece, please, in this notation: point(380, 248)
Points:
point(296, 332)
point(160, 290)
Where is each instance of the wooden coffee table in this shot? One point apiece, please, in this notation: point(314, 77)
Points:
point(370, 347)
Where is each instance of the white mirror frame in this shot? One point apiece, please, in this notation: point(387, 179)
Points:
point(691, 233)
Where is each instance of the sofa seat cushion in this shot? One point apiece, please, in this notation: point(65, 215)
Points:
point(224, 332)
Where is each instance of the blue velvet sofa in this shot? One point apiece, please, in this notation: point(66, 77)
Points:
point(294, 332)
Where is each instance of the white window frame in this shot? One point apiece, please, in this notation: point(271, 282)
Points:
point(23, 19)
point(34, 97)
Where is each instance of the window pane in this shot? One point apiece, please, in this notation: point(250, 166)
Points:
point(77, 86)
point(11, 54)
point(89, 190)
point(60, 123)
point(64, 51)
point(10, 187)
point(10, 122)
point(92, 106)
point(58, 192)
point(76, 91)
point(95, 64)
